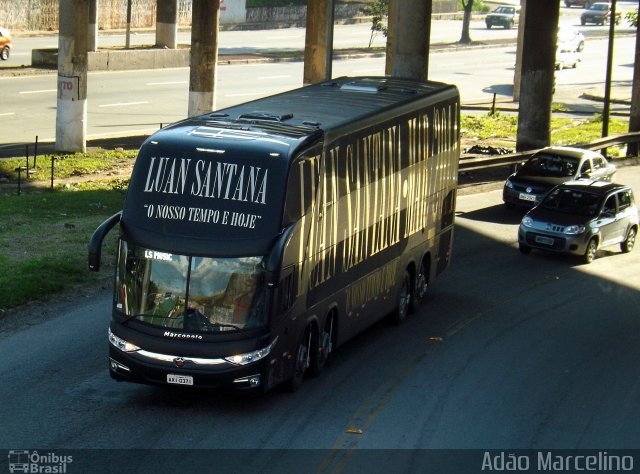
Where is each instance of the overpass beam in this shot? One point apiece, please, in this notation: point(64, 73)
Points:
point(408, 38)
point(167, 24)
point(71, 112)
point(318, 44)
point(205, 24)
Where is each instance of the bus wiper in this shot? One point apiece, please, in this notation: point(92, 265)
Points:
point(142, 315)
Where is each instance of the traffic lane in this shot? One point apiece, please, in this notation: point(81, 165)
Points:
point(466, 371)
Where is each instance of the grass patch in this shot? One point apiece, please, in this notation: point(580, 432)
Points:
point(501, 129)
point(68, 165)
point(44, 239)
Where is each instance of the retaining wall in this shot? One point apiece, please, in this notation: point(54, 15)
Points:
point(42, 15)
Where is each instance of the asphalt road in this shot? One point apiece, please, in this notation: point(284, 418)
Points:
point(510, 352)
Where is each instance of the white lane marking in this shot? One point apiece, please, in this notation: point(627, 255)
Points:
point(281, 76)
point(7, 113)
point(42, 91)
point(122, 104)
point(245, 94)
point(168, 83)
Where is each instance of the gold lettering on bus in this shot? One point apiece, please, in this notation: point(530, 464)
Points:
point(389, 183)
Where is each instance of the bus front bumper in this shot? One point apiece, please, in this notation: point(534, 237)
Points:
point(162, 369)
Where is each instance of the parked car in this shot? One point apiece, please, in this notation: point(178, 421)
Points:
point(570, 39)
point(580, 3)
point(599, 13)
point(552, 166)
point(507, 17)
point(580, 217)
point(5, 44)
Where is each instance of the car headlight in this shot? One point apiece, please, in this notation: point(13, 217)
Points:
point(574, 229)
point(249, 357)
point(527, 221)
point(121, 344)
point(508, 184)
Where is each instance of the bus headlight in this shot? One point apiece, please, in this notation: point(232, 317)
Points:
point(249, 357)
point(121, 344)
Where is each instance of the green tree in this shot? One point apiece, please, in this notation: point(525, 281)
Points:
point(632, 18)
point(379, 13)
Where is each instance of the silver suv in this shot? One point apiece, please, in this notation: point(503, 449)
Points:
point(580, 217)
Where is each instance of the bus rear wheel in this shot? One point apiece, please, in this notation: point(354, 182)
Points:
point(420, 288)
point(403, 301)
point(301, 360)
point(323, 347)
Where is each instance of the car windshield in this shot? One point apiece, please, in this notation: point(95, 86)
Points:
point(600, 6)
point(194, 294)
point(572, 201)
point(553, 165)
point(505, 10)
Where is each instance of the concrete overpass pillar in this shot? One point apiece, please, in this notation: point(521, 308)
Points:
point(92, 40)
point(167, 24)
point(71, 114)
point(411, 31)
point(318, 45)
point(205, 23)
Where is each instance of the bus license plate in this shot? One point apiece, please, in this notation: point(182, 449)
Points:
point(528, 197)
point(179, 379)
point(544, 240)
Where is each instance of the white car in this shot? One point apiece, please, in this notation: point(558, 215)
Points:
point(570, 39)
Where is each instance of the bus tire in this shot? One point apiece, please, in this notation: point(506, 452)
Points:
point(403, 300)
point(323, 346)
point(301, 360)
point(420, 288)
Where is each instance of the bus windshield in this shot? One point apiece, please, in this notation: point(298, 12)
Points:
point(195, 294)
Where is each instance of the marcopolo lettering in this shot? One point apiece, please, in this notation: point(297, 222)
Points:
point(179, 335)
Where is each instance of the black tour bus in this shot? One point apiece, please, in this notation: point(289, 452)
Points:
point(256, 239)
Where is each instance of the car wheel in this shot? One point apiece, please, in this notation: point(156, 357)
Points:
point(590, 253)
point(525, 249)
point(580, 47)
point(488, 26)
point(560, 66)
point(629, 242)
point(583, 21)
point(5, 53)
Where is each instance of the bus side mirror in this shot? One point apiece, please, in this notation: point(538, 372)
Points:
point(95, 244)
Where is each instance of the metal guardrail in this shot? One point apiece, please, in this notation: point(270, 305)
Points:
point(479, 162)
